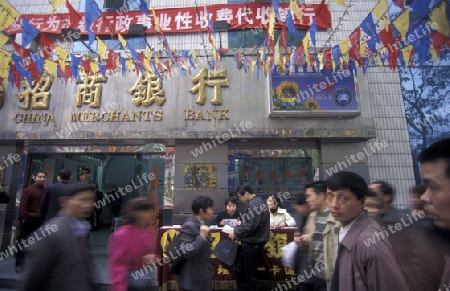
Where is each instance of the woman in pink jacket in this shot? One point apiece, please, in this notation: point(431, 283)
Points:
point(132, 249)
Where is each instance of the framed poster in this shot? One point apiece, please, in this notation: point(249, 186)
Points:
point(200, 176)
point(323, 93)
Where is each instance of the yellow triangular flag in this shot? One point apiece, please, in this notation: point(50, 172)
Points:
point(62, 57)
point(194, 55)
point(345, 48)
point(321, 63)
point(294, 7)
point(4, 66)
point(253, 66)
point(102, 48)
point(147, 58)
point(271, 22)
point(438, 17)
point(56, 4)
point(129, 65)
point(305, 42)
point(157, 27)
point(406, 51)
point(363, 49)
point(276, 55)
point(333, 64)
point(148, 54)
point(433, 53)
point(3, 39)
point(122, 40)
point(381, 11)
point(51, 68)
point(94, 66)
point(7, 14)
point(402, 23)
point(341, 2)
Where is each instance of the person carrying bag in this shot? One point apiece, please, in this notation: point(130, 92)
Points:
point(132, 249)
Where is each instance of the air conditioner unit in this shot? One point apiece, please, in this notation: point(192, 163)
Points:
point(114, 4)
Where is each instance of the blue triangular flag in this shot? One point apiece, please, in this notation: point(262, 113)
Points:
point(123, 64)
point(29, 32)
point(92, 12)
point(155, 68)
point(276, 6)
point(39, 61)
point(291, 25)
point(76, 62)
point(143, 6)
point(19, 67)
point(421, 7)
point(313, 31)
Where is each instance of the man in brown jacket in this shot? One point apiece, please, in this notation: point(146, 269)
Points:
point(362, 264)
point(435, 172)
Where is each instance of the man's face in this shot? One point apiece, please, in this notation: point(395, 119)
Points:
point(372, 205)
point(303, 209)
point(437, 195)
point(208, 214)
point(231, 208)
point(84, 177)
point(315, 201)
point(416, 202)
point(39, 179)
point(245, 198)
point(81, 204)
point(344, 205)
point(384, 199)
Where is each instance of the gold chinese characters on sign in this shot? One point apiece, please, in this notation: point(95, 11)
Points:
point(88, 91)
point(147, 90)
point(216, 79)
point(38, 95)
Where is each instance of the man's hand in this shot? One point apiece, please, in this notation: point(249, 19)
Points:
point(305, 239)
point(222, 223)
point(204, 231)
point(298, 241)
point(283, 224)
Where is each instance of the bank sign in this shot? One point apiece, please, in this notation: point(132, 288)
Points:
point(323, 93)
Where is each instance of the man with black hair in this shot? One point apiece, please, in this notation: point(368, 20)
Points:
point(319, 235)
point(61, 260)
point(196, 273)
point(50, 202)
point(416, 192)
point(30, 205)
point(387, 215)
point(359, 265)
point(435, 173)
point(372, 204)
point(254, 233)
point(301, 263)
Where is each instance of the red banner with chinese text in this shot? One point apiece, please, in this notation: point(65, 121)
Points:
point(180, 20)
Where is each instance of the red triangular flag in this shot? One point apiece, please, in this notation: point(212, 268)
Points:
point(112, 61)
point(327, 58)
point(324, 21)
point(23, 52)
point(439, 40)
point(300, 54)
point(34, 70)
point(283, 38)
point(47, 45)
point(74, 17)
point(87, 66)
point(355, 38)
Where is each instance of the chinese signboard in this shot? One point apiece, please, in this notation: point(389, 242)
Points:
point(323, 93)
point(183, 19)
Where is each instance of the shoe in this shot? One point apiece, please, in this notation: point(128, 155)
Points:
point(19, 269)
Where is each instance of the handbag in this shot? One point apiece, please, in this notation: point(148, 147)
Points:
point(226, 251)
point(288, 256)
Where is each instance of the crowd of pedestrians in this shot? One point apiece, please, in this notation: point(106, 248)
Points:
point(344, 224)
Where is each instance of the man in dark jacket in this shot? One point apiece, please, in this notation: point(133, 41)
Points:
point(61, 261)
point(388, 214)
point(365, 259)
point(30, 205)
point(196, 273)
point(254, 233)
point(50, 204)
